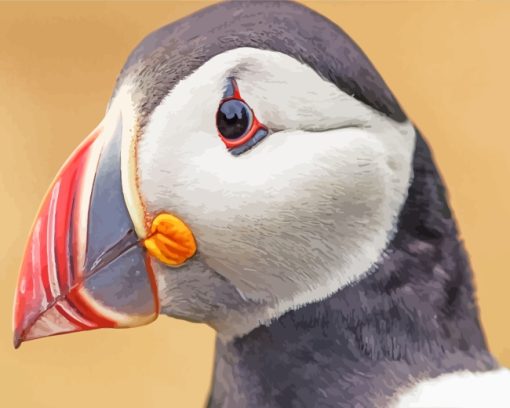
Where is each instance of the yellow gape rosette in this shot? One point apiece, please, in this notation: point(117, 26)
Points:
point(170, 240)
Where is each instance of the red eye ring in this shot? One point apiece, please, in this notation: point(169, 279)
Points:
point(233, 119)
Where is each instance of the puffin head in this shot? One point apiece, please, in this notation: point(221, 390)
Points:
point(251, 161)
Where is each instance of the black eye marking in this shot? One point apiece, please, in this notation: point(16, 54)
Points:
point(237, 125)
point(234, 119)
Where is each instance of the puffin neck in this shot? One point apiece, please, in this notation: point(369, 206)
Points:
point(414, 316)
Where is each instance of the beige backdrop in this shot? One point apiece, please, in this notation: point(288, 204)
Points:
point(448, 64)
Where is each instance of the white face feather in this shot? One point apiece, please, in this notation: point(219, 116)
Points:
point(300, 215)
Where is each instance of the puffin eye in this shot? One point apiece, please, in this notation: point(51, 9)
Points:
point(237, 125)
point(234, 119)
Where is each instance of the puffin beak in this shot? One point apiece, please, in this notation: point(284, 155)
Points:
point(84, 266)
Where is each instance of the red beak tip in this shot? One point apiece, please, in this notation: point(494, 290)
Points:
point(17, 339)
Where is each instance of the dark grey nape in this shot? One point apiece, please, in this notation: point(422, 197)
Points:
point(174, 51)
point(413, 317)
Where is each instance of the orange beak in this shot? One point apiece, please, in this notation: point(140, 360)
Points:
point(84, 266)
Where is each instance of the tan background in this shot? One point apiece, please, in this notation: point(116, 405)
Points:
point(448, 63)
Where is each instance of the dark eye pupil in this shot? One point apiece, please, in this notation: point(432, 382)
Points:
point(233, 119)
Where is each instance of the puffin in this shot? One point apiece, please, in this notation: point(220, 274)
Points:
point(254, 172)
